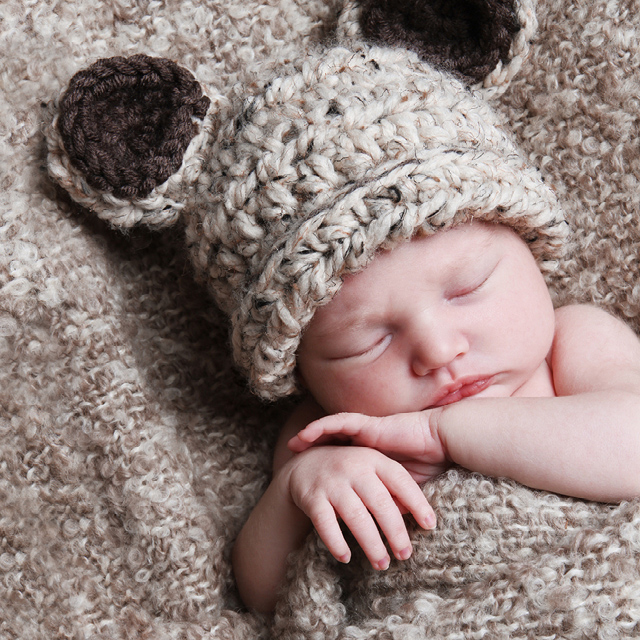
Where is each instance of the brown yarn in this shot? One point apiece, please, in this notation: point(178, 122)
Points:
point(466, 37)
point(126, 122)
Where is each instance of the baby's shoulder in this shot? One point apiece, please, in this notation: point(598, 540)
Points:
point(590, 347)
point(577, 322)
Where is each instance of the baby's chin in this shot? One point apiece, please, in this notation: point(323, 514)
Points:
point(497, 389)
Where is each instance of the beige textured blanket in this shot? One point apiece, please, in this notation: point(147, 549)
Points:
point(130, 451)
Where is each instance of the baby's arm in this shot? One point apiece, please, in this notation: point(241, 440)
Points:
point(274, 528)
point(316, 488)
point(584, 443)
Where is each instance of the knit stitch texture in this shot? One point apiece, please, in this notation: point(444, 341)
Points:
point(346, 152)
point(131, 450)
point(466, 38)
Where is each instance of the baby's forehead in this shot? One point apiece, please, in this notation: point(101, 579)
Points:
point(473, 234)
point(434, 259)
point(448, 249)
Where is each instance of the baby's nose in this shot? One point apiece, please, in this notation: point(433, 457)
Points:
point(437, 347)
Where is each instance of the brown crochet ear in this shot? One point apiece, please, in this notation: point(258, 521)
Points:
point(465, 37)
point(125, 123)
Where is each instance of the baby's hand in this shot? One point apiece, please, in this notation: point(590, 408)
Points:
point(361, 486)
point(410, 438)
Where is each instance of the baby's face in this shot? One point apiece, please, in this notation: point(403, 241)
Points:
point(461, 313)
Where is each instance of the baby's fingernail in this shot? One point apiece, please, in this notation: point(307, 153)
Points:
point(345, 558)
point(404, 554)
point(383, 565)
point(429, 521)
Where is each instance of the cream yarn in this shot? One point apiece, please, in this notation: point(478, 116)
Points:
point(132, 456)
point(347, 154)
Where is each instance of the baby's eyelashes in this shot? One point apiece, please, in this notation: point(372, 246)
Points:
point(373, 351)
point(464, 291)
point(470, 286)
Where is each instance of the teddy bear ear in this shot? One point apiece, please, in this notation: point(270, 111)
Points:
point(126, 139)
point(482, 42)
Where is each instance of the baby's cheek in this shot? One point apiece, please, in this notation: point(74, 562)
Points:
point(378, 395)
point(378, 388)
point(351, 394)
point(332, 388)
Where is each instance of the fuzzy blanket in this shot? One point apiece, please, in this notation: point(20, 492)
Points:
point(131, 452)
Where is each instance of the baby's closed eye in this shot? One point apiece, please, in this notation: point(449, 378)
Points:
point(366, 349)
point(469, 285)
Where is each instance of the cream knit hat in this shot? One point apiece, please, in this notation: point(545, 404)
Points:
point(349, 153)
point(345, 153)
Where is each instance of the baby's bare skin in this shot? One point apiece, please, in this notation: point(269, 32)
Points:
point(446, 350)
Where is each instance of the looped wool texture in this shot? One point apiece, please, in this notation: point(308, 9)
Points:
point(483, 43)
point(466, 37)
point(346, 154)
point(504, 562)
point(126, 122)
point(131, 453)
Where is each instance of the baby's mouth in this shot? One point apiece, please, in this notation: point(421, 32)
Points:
point(461, 389)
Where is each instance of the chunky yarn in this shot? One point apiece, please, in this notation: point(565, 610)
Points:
point(346, 154)
point(126, 122)
point(131, 453)
point(347, 151)
point(466, 37)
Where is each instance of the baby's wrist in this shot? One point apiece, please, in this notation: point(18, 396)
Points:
point(283, 502)
point(281, 483)
point(436, 426)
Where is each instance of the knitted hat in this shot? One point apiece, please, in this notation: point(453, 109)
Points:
point(128, 137)
point(343, 154)
point(347, 154)
point(482, 42)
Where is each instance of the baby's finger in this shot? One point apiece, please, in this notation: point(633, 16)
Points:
point(388, 516)
point(297, 445)
point(360, 522)
point(325, 521)
point(352, 425)
point(407, 492)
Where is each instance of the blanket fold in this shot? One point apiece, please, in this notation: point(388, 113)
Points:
point(504, 561)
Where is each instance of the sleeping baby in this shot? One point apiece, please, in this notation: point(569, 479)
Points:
point(441, 345)
point(382, 247)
